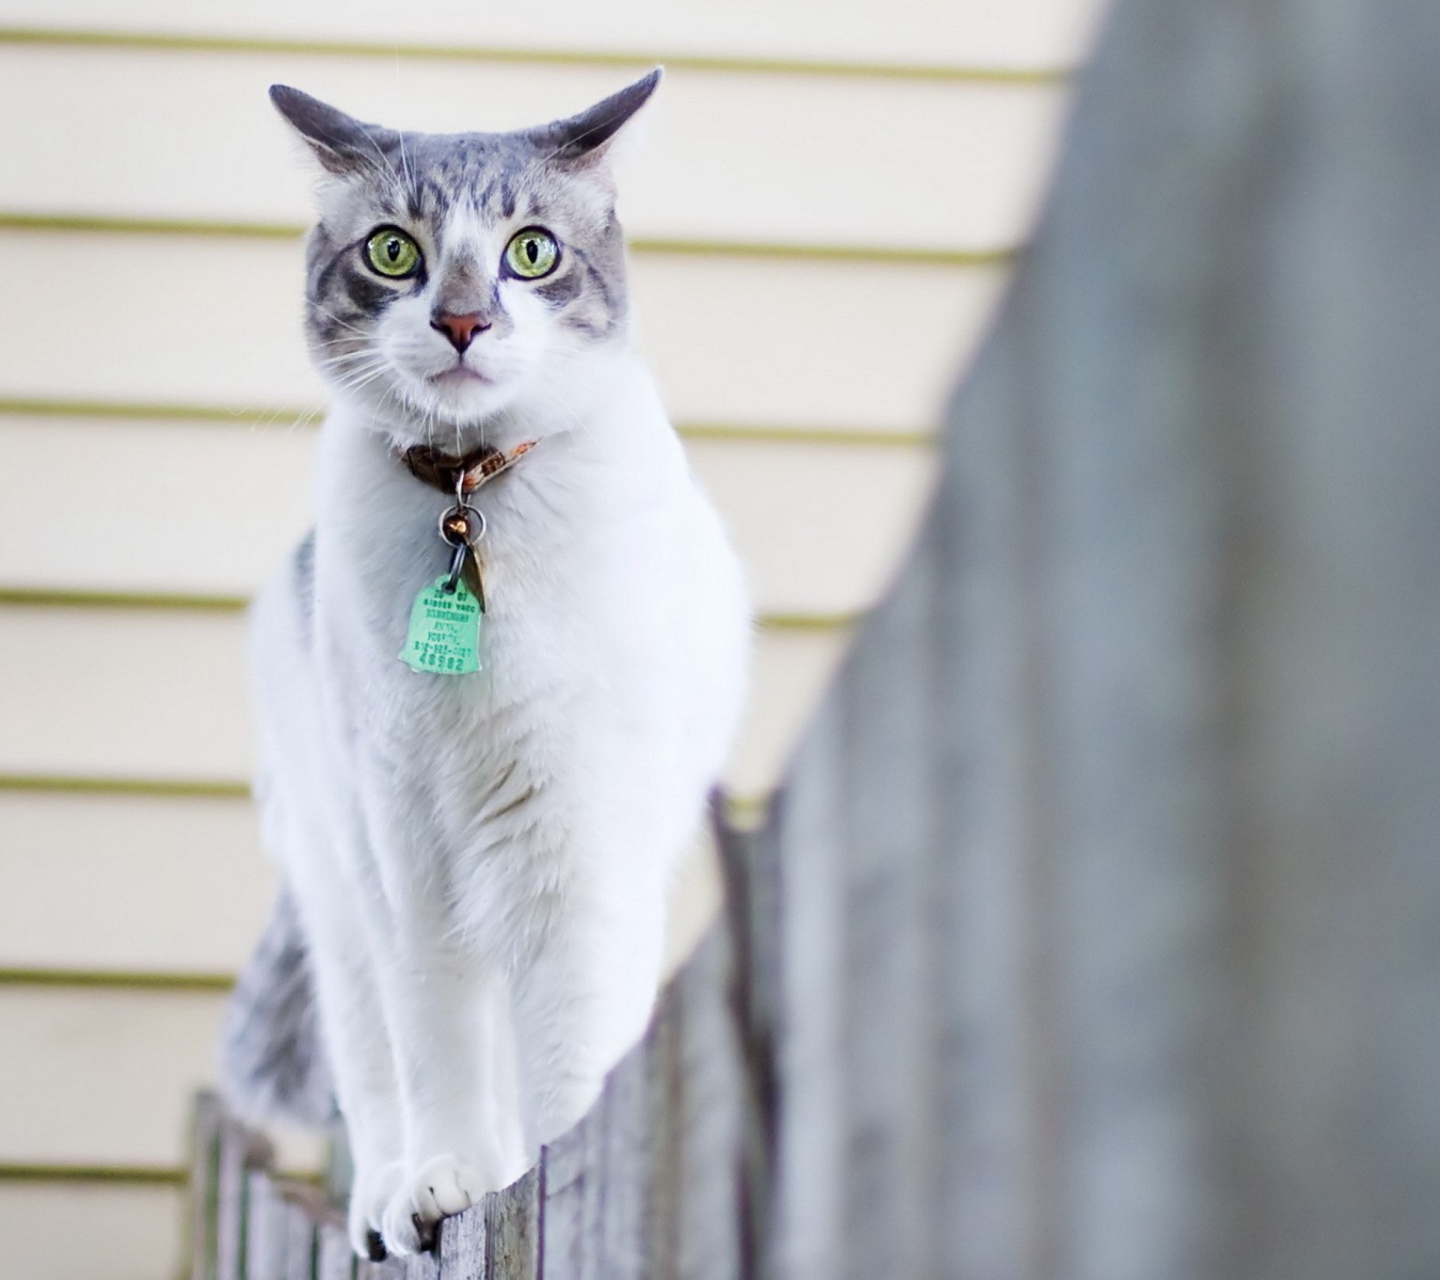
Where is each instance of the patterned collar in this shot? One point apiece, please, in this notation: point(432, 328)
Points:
point(458, 476)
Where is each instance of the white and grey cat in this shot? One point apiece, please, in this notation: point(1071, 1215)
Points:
point(477, 865)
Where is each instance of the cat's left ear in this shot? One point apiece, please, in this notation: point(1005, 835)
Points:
point(589, 135)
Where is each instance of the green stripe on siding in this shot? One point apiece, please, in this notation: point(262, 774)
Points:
point(807, 621)
point(172, 788)
point(129, 410)
point(132, 1175)
point(101, 224)
point(122, 980)
point(639, 60)
point(135, 1175)
point(747, 811)
point(48, 597)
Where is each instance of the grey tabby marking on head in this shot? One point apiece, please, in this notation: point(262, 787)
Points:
point(422, 183)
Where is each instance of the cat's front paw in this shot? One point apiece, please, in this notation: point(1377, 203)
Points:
point(442, 1186)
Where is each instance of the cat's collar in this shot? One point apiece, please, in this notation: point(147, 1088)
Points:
point(462, 475)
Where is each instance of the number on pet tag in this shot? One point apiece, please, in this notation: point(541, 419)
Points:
point(444, 635)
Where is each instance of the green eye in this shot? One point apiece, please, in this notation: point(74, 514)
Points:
point(390, 252)
point(532, 253)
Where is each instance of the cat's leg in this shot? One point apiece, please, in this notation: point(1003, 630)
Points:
point(331, 874)
point(584, 995)
point(504, 1100)
point(434, 987)
point(437, 996)
point(314, 804)
point(352, 1024)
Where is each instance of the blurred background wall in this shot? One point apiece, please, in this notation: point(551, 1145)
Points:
point(822, 216)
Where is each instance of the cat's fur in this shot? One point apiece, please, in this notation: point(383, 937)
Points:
point(478, 864)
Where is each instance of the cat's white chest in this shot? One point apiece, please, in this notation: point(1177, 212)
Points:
point(584, 592)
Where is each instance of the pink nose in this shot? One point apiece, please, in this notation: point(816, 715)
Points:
point(461, 330)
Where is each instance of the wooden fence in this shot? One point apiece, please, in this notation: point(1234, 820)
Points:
point(1096, 930)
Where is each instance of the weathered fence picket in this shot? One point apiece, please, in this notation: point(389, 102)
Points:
point(1096, 930)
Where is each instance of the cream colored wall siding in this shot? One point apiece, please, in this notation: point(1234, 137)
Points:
point(119, 693)
point(163, 694)
point(1037, 33)
point(93, 1077)
point(129, 883)
point(791, 671)
point(198, 320)
point(819, 525)
point(829, 345)
point(90, 1231)
point(723, 156)
point(247, 487)
point(102, 1077)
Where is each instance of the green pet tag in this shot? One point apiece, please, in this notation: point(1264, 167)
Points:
point(444, 635)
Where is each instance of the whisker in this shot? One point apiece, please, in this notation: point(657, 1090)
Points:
point(345, 324)
point(348, 359)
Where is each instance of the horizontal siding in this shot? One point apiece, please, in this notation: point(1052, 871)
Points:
point(809, 343)
point(91, 1231)
point(119, 693)
point(818, 526)
point(102, 1077)
point(723, 156)
point(162, 694)
point(129, 883)
point(197, 320)
point(96, 1078)
point(928, 33)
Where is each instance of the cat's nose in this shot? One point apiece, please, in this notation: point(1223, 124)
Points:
point(461, 329)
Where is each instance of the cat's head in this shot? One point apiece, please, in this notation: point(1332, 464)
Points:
point(452, 275)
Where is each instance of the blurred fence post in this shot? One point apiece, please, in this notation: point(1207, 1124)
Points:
point(1112, 865)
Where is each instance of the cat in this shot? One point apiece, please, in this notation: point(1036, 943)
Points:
point(476, 864)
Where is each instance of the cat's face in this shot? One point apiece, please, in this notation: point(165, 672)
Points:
point(452, 275)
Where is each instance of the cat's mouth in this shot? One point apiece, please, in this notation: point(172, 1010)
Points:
point(459, 375)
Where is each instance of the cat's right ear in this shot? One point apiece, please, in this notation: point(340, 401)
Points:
point(342, 144)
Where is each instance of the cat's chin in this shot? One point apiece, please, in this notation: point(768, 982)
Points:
point(459, 399)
